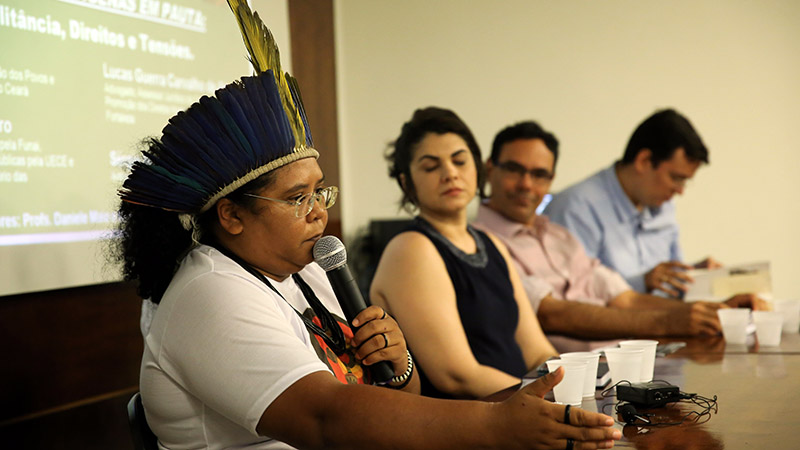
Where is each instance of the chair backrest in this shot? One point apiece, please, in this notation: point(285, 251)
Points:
point(370, 248)
point(143, 437)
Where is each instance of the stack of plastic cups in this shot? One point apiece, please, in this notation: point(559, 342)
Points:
point(791, 315)
point(648, 357)
point(625, 364)
point(570, 390)
point(734, 324)
point(768, 327)
point(591, 359)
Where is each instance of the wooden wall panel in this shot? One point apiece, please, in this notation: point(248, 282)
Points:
point(314, 66)
point(66, 347)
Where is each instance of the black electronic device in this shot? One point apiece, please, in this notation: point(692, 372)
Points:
point(635, 399)
point(652, 394)
point(630, 416)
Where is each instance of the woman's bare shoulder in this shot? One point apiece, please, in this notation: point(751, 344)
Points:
point(409, 245)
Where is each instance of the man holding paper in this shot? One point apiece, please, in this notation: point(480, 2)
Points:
point(553, 264)
point(624, 215)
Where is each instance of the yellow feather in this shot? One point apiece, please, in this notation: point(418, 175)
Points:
point(264, 55)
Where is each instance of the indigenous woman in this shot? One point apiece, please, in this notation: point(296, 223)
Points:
point(247, 348)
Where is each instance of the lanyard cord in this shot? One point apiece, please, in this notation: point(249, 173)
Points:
point(334, 337)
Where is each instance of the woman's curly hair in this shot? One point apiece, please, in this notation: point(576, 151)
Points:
point(400, 152)
point(151, 242)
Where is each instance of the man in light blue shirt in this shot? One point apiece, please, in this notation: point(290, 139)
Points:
point(624, 216)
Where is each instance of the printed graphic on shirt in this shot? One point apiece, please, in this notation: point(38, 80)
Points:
point(345, 367)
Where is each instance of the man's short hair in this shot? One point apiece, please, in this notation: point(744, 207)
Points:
point(663, 133)
point(524, 130)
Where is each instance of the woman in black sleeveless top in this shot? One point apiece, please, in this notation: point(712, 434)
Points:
point(485, 302)
point(452, 288)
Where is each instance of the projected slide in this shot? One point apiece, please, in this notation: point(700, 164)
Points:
point(82, 82)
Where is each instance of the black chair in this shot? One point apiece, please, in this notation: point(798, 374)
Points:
point(369, 248)
point(143, 437)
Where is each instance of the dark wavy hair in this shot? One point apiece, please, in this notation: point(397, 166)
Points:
point(151, 242)
point(663, 133)
point(424, 121)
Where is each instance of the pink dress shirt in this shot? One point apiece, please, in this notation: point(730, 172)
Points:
point(550, 260)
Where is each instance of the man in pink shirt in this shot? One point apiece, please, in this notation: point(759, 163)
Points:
point(554, 266)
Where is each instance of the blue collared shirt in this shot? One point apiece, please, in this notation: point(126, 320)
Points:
point(612, 230)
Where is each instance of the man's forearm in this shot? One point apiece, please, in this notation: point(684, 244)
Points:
point(575, 319)
point(638, 300)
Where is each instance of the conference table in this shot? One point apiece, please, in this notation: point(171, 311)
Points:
point(757, 390)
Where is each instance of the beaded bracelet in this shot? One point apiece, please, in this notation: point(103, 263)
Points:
point(405, 378)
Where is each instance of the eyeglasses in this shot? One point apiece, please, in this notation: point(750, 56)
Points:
point(303, 205)
point(539, 176)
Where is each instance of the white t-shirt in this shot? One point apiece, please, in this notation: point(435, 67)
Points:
point(222, 346)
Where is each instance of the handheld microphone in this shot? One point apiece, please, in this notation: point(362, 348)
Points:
point(330, 254)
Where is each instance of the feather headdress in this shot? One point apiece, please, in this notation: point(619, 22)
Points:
point(248, 128)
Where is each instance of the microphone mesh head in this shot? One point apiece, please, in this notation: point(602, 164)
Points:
point(329, 253)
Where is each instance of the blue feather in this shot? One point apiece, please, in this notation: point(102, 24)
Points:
point(222, 138)
point(191, 133)
point(235, 111)
point(283, 131)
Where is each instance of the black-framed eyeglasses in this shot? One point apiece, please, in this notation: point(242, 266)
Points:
point(539, 176)
point(303, 205)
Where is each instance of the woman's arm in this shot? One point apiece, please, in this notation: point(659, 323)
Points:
point(412, 283)
point(536, 349)
point(319, 412)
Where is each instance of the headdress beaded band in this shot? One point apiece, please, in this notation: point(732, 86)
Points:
point(220, 143)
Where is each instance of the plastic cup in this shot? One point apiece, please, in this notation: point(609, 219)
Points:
point(734, 324)
point(768, 327)
point(625, 364)
point(591, 359)
point(570, 390)
point(648, 357)
point(791, 314)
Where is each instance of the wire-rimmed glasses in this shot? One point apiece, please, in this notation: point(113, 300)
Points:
point(303, 205)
